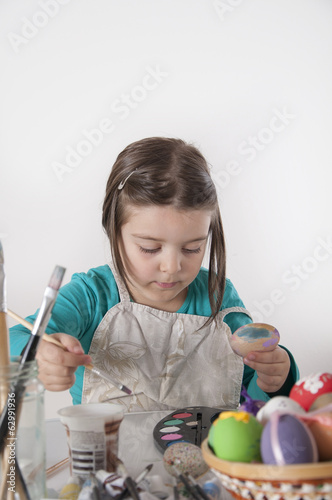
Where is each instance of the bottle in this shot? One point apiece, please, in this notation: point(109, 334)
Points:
point(23, 451)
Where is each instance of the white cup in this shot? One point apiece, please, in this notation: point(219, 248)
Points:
point(92, 436)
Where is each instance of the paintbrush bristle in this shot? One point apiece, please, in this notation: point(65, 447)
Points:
point(56, 278)
point(126, 390)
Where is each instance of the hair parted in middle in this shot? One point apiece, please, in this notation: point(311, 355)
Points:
point(165, 171)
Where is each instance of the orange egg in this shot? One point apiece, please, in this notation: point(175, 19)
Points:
point(321, 401)
point(321, 428)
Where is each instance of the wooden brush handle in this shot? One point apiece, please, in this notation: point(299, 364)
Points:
point(4, 358)
point(4, 342)
point(29, 326)
point(45, 337)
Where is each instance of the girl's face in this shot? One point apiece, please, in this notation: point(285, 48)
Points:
point(163, 249)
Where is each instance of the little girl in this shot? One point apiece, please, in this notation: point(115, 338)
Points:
point(154, 319)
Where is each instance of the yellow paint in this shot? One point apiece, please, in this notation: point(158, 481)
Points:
point(241, 416)
point(70, 491)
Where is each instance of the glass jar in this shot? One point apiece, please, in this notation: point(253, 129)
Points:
point(23, 454)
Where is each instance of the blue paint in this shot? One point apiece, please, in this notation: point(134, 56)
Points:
point(251, 334)
point(177, 441)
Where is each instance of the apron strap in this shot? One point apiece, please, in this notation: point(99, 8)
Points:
point(123, 292)
point(224, 312)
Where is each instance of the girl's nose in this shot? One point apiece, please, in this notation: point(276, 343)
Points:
point(170, 263)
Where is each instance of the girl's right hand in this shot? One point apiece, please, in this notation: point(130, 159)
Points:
point(57, 366)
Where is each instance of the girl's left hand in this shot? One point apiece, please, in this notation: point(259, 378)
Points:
point(272, 368)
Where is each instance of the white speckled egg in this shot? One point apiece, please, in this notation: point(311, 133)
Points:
point(279, 404)
point(186, 457)
point(254, 337)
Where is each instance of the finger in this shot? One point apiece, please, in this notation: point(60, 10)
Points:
point(57, 383)
point(55, 370)
point(277, 355)
point(51, 353)
point(269, 384)
point(266, 368)
point(69, 343)
point(56, 377)
point(272, 368)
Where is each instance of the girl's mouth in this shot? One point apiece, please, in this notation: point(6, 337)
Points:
point(165, 285)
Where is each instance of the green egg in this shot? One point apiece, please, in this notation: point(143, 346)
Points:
point(235, 436)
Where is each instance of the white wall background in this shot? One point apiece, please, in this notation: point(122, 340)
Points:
point(248, 81)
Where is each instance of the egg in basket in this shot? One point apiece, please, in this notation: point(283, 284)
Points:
point(280, 451)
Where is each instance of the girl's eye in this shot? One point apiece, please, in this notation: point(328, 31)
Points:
point(148, 250)
point(155, 250)
point(195, 250)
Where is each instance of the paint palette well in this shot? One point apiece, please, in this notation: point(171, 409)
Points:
point(189, 425)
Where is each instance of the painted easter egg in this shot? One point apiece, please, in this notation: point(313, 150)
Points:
point(235, 436)
point(186, 458)
point(306, 390)
point(320, 425)
point(280, 404)
point(321, 401)
point(287, 440)
point(254, 337)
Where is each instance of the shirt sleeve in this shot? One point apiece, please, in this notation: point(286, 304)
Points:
point(231, 299)
point(78, 309)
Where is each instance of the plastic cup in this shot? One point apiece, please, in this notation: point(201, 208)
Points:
point(92, 436)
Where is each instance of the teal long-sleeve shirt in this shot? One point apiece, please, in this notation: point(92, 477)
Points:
point(83, 302)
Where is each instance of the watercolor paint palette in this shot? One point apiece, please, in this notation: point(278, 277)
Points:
point(188, 425)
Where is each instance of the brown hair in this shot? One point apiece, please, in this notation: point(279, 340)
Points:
point(165, 171)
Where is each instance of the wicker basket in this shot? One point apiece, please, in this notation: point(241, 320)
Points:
point(272, 482)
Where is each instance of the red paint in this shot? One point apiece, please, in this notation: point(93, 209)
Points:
point(182, 415)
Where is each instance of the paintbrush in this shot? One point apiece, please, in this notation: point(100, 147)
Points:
point(43, 315)
point(198, 488)
point(125, 493)
point(30, 349)
point(127, 480)
point(90, 366)
point(189, 487)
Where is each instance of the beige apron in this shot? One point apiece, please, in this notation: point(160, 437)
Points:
point(166, 357)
